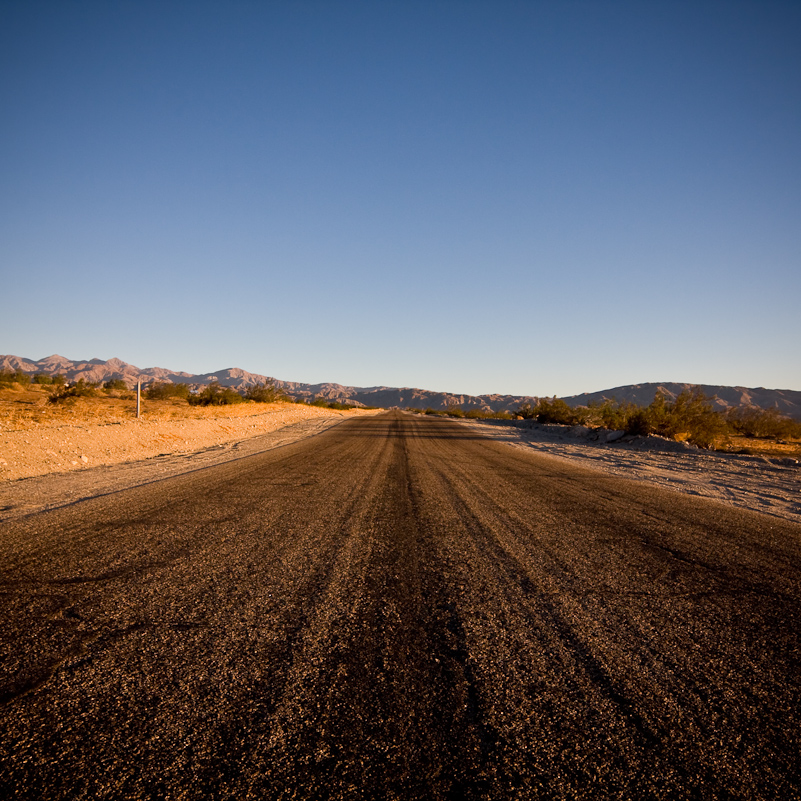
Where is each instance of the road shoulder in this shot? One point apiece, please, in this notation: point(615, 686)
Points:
point(39, 493)
point(747, 482)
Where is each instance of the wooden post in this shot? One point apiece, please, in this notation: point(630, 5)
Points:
point(138, 398)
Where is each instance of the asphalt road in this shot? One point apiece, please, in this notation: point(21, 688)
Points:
point(398, 608)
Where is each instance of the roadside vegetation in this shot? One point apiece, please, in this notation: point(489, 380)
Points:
point(22, 380)
point(61, 392)
point(466, 414)
point(28, 406)
point(691, 417)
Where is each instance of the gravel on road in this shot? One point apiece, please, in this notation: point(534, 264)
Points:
point(399, 608)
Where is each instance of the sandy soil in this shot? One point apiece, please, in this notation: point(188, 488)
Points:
point(770, 485)
point(40, 440)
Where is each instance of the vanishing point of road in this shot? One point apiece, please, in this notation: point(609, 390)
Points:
point(399, 608)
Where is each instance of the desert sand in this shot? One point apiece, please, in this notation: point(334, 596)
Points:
point(69, 440)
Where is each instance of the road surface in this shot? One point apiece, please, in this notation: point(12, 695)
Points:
point(399, 608)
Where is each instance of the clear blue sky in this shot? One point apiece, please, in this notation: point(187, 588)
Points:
point(517, 197)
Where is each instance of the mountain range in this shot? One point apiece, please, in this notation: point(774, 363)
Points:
point(787, 401)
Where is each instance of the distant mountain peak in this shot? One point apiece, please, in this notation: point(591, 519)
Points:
point(96, 370)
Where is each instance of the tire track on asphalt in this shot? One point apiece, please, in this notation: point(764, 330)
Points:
point(399, 610)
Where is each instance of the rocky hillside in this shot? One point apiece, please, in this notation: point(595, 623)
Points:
point(97, 370)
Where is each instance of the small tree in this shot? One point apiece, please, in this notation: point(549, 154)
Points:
point(215, 395)
point(751, 421)
point(265, 393)
point(165, 390)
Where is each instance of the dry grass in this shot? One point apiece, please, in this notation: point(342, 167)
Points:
point(774, 448)
point(38, 437)
point(26, 409)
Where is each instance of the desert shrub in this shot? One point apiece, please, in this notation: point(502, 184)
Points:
point(754, 422)
point(502, 415)
point(637, 422)
point(115, 384)
point(454, 411)
point(43, 379)
point(554, 410)
point(164, 390)
point(59, 380)
point(8, 378)
point(690, 417)
point(615, 415)
point(215, 395)
point(265, 393)
point(80, 389)
point(527, 411)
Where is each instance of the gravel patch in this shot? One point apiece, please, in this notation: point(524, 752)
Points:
point(772, 486)
point(129, 454)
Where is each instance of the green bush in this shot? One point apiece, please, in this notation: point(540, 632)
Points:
point(265, 393)
point(20, 378)
point(754, 422)
point(80, 389)
point(159, 390)
point(115, 383)
point(690, 417)
point(527, 411)
point(215, 395)
point(614, 415)
point(43, 379)
point(554, 411)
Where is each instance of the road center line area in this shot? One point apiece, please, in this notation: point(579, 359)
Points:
point(399, 608)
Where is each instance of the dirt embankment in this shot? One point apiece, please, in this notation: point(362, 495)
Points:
point(37, 438)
